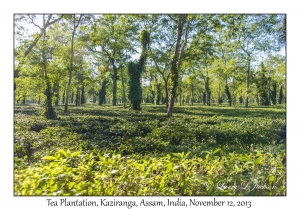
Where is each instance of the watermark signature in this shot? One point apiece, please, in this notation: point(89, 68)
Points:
point(242, 187)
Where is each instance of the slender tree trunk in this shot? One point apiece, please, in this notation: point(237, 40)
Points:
point(114, 83)
point(56, 93)
point(280, 98)
point(68, 87)
point(269, 91)
point(123, 88)
point(233, 95)
point(207, 91)
point(71, 62)
point(219, 94)
point(180, 99)
point(72, 97)
point(77, 97)
point(82, 99)
point(166, 92)
point(49, 112)
point(175, 65)
point(257, 99)
point(57, 98)
point(247, 82)
point(192, 94)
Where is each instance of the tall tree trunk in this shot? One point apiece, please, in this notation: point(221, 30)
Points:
point(175, 65)
point(69, 84)
point(207, 91)
point(57, 98)
point(274, 93)
point(233, 95)
point(192, 94)
point(165, 80)
point(71, 61)
point(269, 90)
point(49, 112)
point(82, 99)
point(219, 94)
point(72, 97)
point(115, 73)
point(77, 97)
point(166, 92)
point(56, 90)
point(123, 88)
point(280, 98)
point(247, 82)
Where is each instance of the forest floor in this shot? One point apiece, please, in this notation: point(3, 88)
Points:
point(106, 150)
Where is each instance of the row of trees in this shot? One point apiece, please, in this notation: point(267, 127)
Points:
point(182, 58)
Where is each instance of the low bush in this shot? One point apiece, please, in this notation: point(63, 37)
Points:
point(200, 151)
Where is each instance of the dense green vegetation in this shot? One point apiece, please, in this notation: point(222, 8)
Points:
point(106, 150)
point(149, 104)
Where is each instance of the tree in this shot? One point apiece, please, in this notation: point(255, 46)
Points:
point(203, 49)
point(280, 98)
point(275, 68)
point(228, 94)
point(281, 30)
point(135, 70)
point(252, 34)
point(31, 19)
point(75, 23)
point(274, 93)
point(102, 92)
point(112, 36)
point(163, 38)
point(262, 86)
point(49, 113)
point(181, 21)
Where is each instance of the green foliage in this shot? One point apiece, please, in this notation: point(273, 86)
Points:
point(280, 98)
point(49, 112)
point(228, 95)
point(102, 150)
point(262, 86)
point(71, 174)
point(134, 83)
point(273, 95)
point(135, 70)
point(102, 92)
point(107, 150)
point(158, 93)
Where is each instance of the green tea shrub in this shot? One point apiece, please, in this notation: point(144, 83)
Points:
point(66, 173)
point(200, 151)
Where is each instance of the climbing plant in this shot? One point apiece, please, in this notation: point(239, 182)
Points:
point(135, 70)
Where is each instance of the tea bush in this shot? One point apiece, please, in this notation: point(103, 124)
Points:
point(105, 150)
point(66, 173)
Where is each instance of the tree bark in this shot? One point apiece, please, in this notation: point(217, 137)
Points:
point(123, 88)
point(71, 62)
point(247, 82)
point(192, 92)
point(174, 65)
point(115, 73)
point(165, 80)
point(166, 92)
point(82, 99)
point(207, 91)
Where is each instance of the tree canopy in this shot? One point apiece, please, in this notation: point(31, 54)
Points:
point(191, 58)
